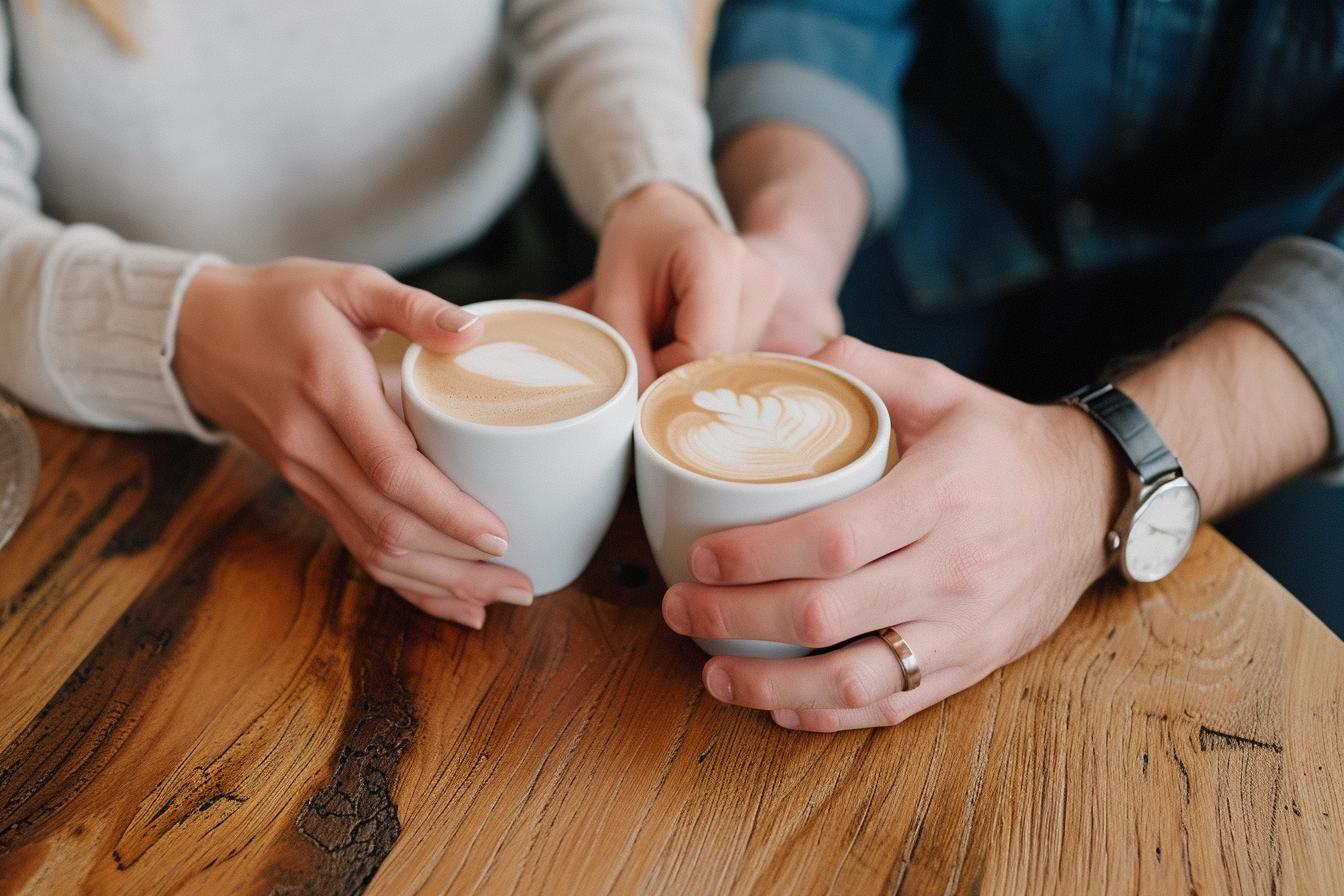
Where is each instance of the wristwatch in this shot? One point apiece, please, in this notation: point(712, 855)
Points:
point(1159, 522)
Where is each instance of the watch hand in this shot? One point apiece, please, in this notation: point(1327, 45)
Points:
point(1166, 531)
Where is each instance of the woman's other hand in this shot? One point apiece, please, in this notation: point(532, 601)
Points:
point(675, 284)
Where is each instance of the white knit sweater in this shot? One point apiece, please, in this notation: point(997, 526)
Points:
point(385, 133)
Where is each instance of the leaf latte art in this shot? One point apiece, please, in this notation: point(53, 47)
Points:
point(520, 364)
point(757, 418)
point(782, 435)
point(528, 367)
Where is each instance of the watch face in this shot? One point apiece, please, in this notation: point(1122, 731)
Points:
point(1163, 528)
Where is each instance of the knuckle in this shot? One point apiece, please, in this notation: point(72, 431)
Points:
point(928, 369)
point(737, 560)
point(311, 385)
point(964, 569)
point(843, 351)
point(389, 532)
point(388, 471)
point(707, 617)
point(891, 712)
point(404, 302)
point(756, 690)
point(464, 586)
point(858, 686)
point(357, 277)
point(818, 619)
point(837, 548)
point(957, 490)
point(449, 523)
point(822, 721)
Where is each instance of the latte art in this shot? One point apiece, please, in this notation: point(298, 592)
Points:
point(520, 364)
point(757, 418)
point(528, 367)
point(782, 435)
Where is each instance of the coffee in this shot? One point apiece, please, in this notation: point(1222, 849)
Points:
point(528, 367)
point(757, 418)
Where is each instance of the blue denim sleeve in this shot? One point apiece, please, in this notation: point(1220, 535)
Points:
point(834, 66)
point(1294, 288)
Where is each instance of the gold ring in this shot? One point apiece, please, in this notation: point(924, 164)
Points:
point(910, 674)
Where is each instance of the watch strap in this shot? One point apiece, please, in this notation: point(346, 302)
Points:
point(1131, 429)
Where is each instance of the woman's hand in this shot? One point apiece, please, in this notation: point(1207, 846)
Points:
point(278, 355)
point(675, 284)
point(974, 546)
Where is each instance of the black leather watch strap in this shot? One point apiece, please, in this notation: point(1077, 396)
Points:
point(1131, 429)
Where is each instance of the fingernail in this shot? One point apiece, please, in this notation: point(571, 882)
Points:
point(704, 565)
point(786, 718)
point(474, 622)
point(719, 684)
point(675, 614)
point(454, 319)
point(491, 544)
point(514, 595)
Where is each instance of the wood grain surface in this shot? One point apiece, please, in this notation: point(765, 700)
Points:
point(200, 693)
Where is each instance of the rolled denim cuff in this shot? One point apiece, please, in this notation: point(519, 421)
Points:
point(754, 92)
point(1294, 288)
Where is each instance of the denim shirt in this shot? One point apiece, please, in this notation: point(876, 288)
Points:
point(1004, 141)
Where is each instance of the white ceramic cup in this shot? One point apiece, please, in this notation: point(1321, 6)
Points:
point(678, 505)
point(555, 486)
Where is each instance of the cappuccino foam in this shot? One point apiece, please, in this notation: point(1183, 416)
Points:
point(528, 367)
point(757, 418)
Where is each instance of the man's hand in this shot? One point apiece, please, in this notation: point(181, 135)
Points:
point(981, 538)
point(277, 354)
point(800, 204)
point(975, 546)
point(676, 285)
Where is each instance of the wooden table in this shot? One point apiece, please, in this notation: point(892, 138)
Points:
point(200, 693)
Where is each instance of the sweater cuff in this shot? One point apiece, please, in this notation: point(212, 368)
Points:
point(754, 92)
point(1294, 288)
point(111, 331)
point(605, 167)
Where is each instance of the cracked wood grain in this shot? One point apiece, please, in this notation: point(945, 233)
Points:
point(351, 821)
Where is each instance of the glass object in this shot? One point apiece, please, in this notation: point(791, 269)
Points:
point(19, 465)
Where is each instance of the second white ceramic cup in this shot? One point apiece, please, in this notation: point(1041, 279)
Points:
point(679, 506)
point(555, 486)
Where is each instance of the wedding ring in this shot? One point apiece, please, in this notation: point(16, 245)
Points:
point(910, 674)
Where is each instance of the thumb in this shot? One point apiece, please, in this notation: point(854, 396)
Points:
point(915, 390)
point(372, 300)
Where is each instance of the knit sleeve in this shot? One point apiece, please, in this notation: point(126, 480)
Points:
point(615, 85)
point(87, 320)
